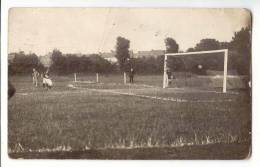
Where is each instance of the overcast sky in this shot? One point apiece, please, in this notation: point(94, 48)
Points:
point(93, 30)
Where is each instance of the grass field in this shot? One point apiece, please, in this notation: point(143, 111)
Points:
point(115, 121)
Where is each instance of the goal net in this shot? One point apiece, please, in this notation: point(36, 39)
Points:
point(86, 78)
point(202, 69)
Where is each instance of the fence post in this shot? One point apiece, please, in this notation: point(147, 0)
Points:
point(225, 71)
point(97, 78)
point(124, 77)
point(75, 77)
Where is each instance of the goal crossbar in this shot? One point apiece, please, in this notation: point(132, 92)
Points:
point(225, 51)
point(199, 52)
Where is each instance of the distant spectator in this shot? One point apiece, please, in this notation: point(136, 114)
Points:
point(131, 75)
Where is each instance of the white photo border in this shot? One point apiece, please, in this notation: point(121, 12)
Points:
point(252, 5)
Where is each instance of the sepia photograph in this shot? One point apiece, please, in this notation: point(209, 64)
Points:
point(129, 83)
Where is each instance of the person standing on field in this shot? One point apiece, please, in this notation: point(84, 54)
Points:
point(35, 76)
point(169, 76)
point(11, 90)
point(46, 81)
point(131, 75)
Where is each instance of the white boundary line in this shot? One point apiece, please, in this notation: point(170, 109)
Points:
point(113, 83)
point(153, 97)
point(181, 90)
point(203, 91)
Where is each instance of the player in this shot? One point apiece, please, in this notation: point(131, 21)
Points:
point(46, 81)
point(35, 75)
point(131, 75)
point(11, 90)
point(169, 76)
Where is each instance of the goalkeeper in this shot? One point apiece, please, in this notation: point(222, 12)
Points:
point(169, 76)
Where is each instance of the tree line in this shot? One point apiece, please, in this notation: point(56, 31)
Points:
point(239, 55)
point(62, 64)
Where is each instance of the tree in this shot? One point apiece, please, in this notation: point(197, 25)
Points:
point(224, 45)
point(85, 64)
point(58, 62)
point(171, 45)
point(72, 63)
point(213, 62)
point(24, 63)
point(122, 52)
point(207, 44)
point(240, 45)
point(99, 64)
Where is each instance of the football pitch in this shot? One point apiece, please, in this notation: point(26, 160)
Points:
point(110, 120)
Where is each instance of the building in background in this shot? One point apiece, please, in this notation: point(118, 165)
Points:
point(151, 53)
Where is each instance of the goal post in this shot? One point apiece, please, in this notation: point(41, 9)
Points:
point(93, 78)
point(225, 51)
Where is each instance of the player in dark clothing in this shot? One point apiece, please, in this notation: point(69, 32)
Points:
point(169, 76)
point(131, 75)
point(11, 90)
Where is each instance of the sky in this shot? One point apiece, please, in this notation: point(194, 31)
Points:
point(93, 30)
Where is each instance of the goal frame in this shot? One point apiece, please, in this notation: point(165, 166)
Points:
point(225, 51)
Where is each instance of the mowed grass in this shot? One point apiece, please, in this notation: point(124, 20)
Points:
point(67, 119)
